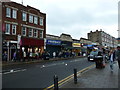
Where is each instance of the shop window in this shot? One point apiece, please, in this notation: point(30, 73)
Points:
point(7, 31)
point(13, 29)
point(24, 31)
point(14, 14)
point(8, 12)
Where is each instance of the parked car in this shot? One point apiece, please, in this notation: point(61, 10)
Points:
point(46, 56)
point(92, 55)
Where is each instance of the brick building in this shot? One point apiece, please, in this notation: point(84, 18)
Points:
point(23, 29)
point(102, 38)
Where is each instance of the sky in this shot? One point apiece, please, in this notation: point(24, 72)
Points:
point(78, 17)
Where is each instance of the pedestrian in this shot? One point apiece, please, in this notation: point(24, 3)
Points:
point(54, 54)
point(118, 56)
point(5, 56)
point(24, 56)
point(111, 58)
point(14, 56)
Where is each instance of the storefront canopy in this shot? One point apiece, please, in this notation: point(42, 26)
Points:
point(32, 42)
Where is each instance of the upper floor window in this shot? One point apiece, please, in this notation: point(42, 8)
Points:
point(31, 18)
point(14, 29)
point(7, 29)
point(41, 21)
point(23, 31)
point(35, 33)
point(8, 12)
point(24, 16)
point(35, 20)
point(30, 32)
point(41, 34)
point(14, 14)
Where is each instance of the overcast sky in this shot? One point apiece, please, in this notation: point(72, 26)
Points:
point(78, 17)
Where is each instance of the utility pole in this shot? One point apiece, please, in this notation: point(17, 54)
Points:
point(22, 2)
point(118, 33)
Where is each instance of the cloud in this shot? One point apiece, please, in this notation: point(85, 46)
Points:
point(78, 17)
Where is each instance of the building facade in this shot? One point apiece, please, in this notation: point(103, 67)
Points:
point(53, 44)
point(102, 38)
point(23, 29)
point(66, 43)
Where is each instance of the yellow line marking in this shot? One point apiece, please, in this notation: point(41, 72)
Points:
point(69, 77)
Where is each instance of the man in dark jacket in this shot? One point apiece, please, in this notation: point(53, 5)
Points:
point(118, 55)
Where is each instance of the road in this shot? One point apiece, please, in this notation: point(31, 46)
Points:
point(41, 75)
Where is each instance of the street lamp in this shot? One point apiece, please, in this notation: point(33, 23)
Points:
point(118, 33)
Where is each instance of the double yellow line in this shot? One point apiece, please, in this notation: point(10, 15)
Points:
point(69, 77)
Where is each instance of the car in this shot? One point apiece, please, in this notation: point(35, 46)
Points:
point(46, 56)
point(92, 55)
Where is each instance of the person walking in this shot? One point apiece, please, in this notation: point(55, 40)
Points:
point(24, 56)
point(14, 56)
point(5, 56)
point(54, 54)
point(112, 58)
point(118, 56)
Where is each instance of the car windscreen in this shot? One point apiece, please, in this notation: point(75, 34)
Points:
point(94, 53)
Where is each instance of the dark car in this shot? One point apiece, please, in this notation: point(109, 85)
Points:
point(92, 55)
point(46, 56)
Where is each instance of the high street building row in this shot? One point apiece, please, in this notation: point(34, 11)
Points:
point(24, 30)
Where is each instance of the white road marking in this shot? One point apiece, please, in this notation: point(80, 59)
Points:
point(12, 71)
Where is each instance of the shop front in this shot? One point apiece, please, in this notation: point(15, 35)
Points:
point(32, 47)
point(77, 48)
point(9, 47)
point(53, 46)
point(66, 45)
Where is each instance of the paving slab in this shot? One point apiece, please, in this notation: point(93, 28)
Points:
point(96, 78)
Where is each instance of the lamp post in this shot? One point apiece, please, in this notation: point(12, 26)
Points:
point(118, 33)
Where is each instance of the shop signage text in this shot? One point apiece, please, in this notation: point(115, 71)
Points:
point(53, 42)
point(76, 45)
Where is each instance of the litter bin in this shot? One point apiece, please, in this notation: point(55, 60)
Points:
point(99, 61)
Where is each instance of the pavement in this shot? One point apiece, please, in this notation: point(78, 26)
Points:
point(96, 78)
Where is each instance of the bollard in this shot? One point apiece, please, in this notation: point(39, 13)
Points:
point(75, 76)
point(55, 82)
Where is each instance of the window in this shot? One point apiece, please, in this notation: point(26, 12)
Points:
point(8, 12)
point(35, 20)
point(14, 14)
point(41, 34)
point(30, 18)
point(35, 33)
point(14, 29)
point(30, 32)
point(24, 31)
point(7, 31)
point(24, 16)
point(41, 21)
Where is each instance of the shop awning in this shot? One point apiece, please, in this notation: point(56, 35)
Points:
point(32, 42)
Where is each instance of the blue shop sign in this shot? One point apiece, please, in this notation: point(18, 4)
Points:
point(53, 42)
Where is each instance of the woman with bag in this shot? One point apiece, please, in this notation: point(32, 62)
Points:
point(111, 58)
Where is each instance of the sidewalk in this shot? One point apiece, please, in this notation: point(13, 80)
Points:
point(96, 78)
